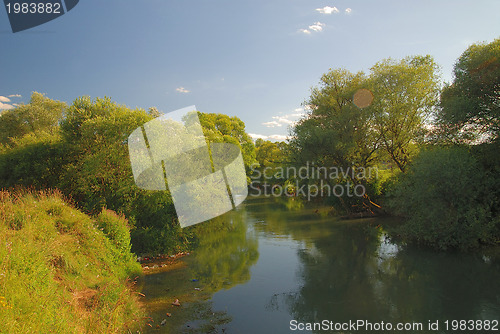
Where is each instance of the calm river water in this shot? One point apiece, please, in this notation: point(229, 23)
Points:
point(283, 265)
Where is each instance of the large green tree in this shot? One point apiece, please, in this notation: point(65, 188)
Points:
point(405, 97)
point(84, 152)
point(41, 114)
point(335, 132)
point(220, 128)
point(470, 105)
point(269, 154)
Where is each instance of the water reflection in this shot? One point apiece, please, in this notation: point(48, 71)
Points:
point(281, 259)
point(351, 270)
point(224, 253)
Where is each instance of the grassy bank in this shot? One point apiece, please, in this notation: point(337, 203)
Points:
point(62, 271)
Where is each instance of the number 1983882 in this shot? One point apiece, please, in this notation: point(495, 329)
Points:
point(33, 8)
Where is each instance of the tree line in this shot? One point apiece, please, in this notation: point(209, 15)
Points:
point(435, 146)
point(81, 149)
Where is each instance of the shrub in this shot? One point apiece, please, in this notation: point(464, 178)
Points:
point(447, 199)
point(115, 227)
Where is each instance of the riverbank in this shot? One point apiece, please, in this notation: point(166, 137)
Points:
point(160, 263)
point(174, 299)
point(62, 271)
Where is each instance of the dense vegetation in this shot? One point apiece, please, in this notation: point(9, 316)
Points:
point(451, 193)
point(62, 271)
point(82, 150)
point(436, 149)
point(71, 271)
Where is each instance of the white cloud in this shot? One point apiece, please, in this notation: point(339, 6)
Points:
point(15, 95)
point(317, 26)
point(272, 124)
point(348, 10)
point(328, 10)
point(278, 137)
point(279, 121)
point(283, 120)
point(272, 137)
point(182, 90)
point(287, 119)
point(5, 106)
point(4, 99)
point(257, 136)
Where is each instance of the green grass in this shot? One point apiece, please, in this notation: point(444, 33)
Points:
point(60, 273)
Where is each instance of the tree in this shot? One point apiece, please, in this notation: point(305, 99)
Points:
point(153, 111)
point(405, 97)
point(35, 160)
point(269, 154)
point(335, 132)
point(220, 128)
point(100, 175)
point(470, 106)
point(41, 114)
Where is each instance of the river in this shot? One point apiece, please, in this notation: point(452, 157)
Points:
point(282, 265)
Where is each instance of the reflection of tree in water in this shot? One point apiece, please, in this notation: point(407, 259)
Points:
point(421, 284)
point(223, 256)
point(336, 285)
point(351, 271)
point(225, 252)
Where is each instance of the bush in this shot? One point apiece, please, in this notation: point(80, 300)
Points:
point(447, 199)
point(36, 160)
point(115, 227)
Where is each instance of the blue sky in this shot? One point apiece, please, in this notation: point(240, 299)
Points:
point(253, 59)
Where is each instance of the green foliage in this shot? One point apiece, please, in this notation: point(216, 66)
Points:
point(41, 114)
point(269, 154)
point(335, 132)
point(157, 229)
point(450, 194)
point(405, 95)
point(116, 228)
point(101, 176)
point(84, 153)
point(35, 160)
point(59, 273)
point(448, 199)
point(470, 106)
point(340, 133)
point(271, 157)
point(219, 128)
